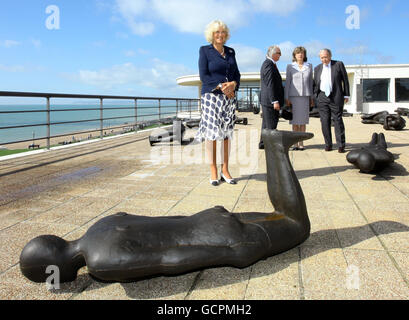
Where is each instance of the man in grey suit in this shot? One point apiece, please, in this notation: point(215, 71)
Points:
point(271, 90)
point(331, 90)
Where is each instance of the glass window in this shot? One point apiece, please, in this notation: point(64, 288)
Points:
point(376, 90)
point(248, 97)
point(402, 90)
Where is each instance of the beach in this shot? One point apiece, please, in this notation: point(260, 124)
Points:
point(73, 138)
point(64, 140)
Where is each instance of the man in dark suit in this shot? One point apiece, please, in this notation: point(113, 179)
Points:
point(331, 90)
point(271, 90)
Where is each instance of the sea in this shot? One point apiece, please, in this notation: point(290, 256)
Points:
point(146, 111)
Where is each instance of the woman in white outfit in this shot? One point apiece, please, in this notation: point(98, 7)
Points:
point(299, 91)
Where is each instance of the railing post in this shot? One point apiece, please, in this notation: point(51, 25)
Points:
point(136, 114)
point(177, 108)
point(48, 123)
point(101, 118)
point(159, 110)
point(190, 109)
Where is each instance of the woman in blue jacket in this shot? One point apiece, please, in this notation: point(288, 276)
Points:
point(220, 78)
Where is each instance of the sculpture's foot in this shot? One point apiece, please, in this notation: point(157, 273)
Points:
point(381, 141)
point(284, 138)
point(374, 140)
point(378, 140)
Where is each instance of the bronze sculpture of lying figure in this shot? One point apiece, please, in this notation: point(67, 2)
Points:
point(125, 247)
point(372, 158)
point(389, 121)
point(402, 111)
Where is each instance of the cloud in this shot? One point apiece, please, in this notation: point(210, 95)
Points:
point(132, 11)
point(193, 16)
point(36, 43)
point(22, 68)
point(248, 58)
point(358, 50)
point(314, 47)
point(130, 53)
point(382, 59)
point(287, 49)
point(361, 53)
point(143, 51)
point(103, 5)
point(141, 28)
point(17, 68)
point(388, 6)
point(278, 7)
point(99, 44)
point(161, 75)
point(9, 43)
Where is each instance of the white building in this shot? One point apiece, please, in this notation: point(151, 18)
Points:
point(373, 87)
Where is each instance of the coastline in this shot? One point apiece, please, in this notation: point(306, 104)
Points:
point(63, 140)
point(75, 138)
point(147, 115)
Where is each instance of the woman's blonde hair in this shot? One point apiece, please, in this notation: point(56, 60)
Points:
point(213, 27)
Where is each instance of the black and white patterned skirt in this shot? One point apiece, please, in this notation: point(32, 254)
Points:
point(218, 117)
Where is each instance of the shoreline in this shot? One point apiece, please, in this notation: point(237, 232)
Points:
point(75, 138)
point(70, 138)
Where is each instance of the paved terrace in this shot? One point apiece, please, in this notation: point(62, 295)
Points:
point(359, 243)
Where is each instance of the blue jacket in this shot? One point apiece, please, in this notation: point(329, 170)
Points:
point(215, 69)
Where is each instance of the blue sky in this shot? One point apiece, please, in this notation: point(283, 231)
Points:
point(140, 47)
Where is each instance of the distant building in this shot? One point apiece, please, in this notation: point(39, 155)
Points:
point(373, 87)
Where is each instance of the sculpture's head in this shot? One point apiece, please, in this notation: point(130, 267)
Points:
point(44, 252)
point(366, 161)
point(394, 122)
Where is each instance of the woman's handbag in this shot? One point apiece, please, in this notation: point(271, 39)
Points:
point(286, 113)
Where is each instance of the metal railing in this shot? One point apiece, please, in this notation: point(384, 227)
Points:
point(162, 114)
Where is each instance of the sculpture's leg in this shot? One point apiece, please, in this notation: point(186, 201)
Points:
point(283, 186)
point(381, 141)
point(374, 140)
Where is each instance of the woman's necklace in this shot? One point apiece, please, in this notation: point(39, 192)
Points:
point(221, 53)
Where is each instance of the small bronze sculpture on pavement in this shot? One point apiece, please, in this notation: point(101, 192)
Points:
point(372, 158)
point(389, 121)
point(402, 111)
